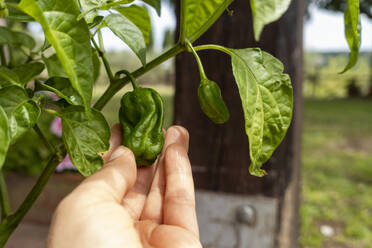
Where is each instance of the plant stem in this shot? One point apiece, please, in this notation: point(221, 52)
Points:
point(131, 78)
point(213, 47)
point(200, 64)
point(183, 22)
point(103, 56)
point(100, 41)
point(5, 204)
point(2, 55)
point(9, 224)
point(120, 83)
point(43, 138)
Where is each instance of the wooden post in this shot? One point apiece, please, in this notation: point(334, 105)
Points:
point(220, 153)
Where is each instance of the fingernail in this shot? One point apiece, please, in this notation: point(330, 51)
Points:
point(172, 136)
point(117, 153)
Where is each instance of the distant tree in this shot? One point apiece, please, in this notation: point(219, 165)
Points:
point(338, 5)
point(353, 90)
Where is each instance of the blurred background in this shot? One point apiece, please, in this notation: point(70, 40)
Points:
point(335, 132)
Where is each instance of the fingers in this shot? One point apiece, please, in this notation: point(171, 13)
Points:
point(135, 199)
point(113, 181)
point(179, 195)
point(115, 141)
point(153, 209)
point(166, 236)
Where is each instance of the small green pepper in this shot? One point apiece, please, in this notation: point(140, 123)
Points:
point(141, 117)
point(209, 94)
point(211, 102)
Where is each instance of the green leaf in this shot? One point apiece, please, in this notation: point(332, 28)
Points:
point(23, 39)
point(265, 12)
point(54, 67)
point(22, 111)
point(139, 17)
point(267, 100)
point(85, 138)
point(6, 36)
point(87, 5)
point(15, 38)
point(129, 33)
point(62, 87)
point(19, 16)
point(7, 77)
point(3, 14)
point(352, 32)
point(156, 4)
point(27, 72)
point(70, 39)
point(4, 136)
point(197, 16)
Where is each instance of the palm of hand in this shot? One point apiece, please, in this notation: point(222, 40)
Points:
point(121, 206)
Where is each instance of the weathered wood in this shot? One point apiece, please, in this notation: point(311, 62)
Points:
point(219, 153)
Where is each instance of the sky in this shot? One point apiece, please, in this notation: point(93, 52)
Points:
point(324, 31)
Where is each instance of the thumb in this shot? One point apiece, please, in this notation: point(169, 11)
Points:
point(114, 179)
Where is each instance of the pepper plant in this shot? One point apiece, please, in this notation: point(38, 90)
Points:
point(72, 30)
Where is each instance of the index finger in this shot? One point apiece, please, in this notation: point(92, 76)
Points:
point(179, 197)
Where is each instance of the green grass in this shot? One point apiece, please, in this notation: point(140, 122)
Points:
point(337, 173)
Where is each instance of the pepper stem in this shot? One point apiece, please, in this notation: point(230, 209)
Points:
point(200, 65)
point(131, 77)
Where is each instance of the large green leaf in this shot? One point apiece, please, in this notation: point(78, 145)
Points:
point(27, 72)
point(15, 38)
point(156, 4)
point(22, 111)
point(4, 136)
point(19, 16)
point(85, 138)
point(140, 17)
point(266, 95)
point(89, 5)
point(7, 77)
point(20, 75)
point(54, 67)
point(129, 33)
point(6, 36)
point(265, 12)
point(62, 87)
point(352, 31)
point(197, 16)
point(70, 39)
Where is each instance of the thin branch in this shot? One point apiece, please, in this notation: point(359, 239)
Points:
point(43, 138)
point(103, 56)
point(120, 83)
point(10, 223)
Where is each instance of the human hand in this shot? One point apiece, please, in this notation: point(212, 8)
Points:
point(125, 206)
